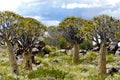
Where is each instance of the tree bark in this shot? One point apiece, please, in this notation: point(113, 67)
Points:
point(102, 61)
point(12, 59)
point(27, 61)
point(75, 57)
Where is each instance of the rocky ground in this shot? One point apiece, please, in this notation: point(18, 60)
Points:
point(58, 66)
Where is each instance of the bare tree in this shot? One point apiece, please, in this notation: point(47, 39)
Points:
point(105, 28)
point(8, 23)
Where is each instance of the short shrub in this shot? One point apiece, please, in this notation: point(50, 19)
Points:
point(53, 54)
point(48, 48)
point(42, 73)
point(110, 58)
point(40, 54)
point(63, 43)
point(86, 45)
point(91, 56)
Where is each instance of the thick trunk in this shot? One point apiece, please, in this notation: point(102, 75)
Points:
point(75, 57)
point(27, 61)
point(102, 61)
point(12, 59)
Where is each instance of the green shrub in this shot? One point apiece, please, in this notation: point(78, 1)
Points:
point(110, 58)
point(91, 56)
point(63, 43)
point(86, 45)
point(42, 73)
point(55, 53)
point(40, 54)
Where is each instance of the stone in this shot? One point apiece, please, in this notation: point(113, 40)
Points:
point(113, 46)
point(112, 70)
point(55, 61)
point(117, 53)
point(84, 70)
point(95, 62)
point(82, 52)
point(96, 49)
point(35, 49)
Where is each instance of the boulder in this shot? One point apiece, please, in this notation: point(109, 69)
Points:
point(117, 53)
point(113, 46)
point(82, 52)
point(55, 61)
point(62, 51)
point(35, 49)
point(84, 70)
point(96, 48)
point(119, 44)
point(112, 70)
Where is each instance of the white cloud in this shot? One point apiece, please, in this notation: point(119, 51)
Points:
point(79, 5)
point(45, 21)
point(111, 12)
point(12, 5)
point(50, 22)
point(8, 5)
point(90, 4)
point(36, 17)
point(113, 2)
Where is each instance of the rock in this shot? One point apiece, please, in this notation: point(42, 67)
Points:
point(55, 61)
point(46, 55)
point(112, 70)
point(84, 70)
point(69, 52)
point(62, 51)
point(117, 53)
point(83, 52)
point(35, 49)
point(119, 44)
point(95, 62)
point(113, 46)
point(96, 49)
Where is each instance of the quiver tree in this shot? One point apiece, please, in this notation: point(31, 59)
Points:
point(71, 31)
point(29, 32)
point(106, 28)
point(8, 24)
point(26, 42)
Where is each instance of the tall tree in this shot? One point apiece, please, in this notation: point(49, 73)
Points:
point(29, 32)
point(8, 23)
point(105, 28)
point(70, 27)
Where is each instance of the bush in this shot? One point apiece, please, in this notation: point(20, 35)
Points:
point(109, 58)
point(42, 73)
point(86, 45)
point(91, 56)
point(49, 48)
point(55, 53)
point(63, 43)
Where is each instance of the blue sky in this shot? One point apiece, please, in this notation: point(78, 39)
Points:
point(51, 12)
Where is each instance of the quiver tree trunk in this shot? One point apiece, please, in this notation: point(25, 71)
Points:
point(75, 57)
point(102, 61)
point(12, 59)
point(27, 60)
